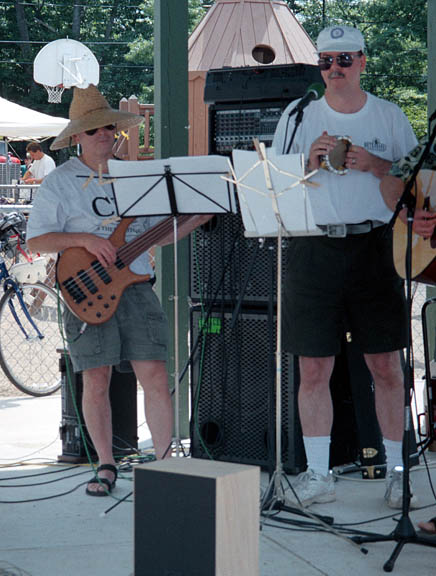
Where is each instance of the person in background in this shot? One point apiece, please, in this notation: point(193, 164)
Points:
point(26, 165)
point(345, 280)
point(424, 221)
point(41, 164)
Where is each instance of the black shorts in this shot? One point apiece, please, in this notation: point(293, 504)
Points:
point(336, 285)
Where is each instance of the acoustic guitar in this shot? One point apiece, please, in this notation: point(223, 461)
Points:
point(91, 291)
point(423, 249)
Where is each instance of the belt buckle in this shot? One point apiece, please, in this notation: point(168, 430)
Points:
point(336, 230)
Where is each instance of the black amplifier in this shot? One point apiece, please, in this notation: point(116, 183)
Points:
point(284, 82)
point(232, 127)
point(123, 390)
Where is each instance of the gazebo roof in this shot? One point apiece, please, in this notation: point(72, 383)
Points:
point(232, 29)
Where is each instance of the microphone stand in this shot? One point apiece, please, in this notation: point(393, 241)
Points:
point(298, 118)
point(405, 533)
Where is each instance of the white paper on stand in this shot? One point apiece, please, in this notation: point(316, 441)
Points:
point(289, 195)
point(141, 189)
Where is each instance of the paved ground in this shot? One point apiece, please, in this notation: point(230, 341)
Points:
point(49, 527)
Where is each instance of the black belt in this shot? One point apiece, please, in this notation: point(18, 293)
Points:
point(342, 230)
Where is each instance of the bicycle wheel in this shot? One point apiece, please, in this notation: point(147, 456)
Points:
point(31, 363)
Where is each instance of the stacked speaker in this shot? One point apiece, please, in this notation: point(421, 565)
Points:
point(233, 290)
point(76, 443)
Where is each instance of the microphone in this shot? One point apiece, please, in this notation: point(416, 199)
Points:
point(314, 92)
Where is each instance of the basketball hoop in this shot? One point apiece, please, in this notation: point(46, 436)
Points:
point(63, 64)
point(54, 93)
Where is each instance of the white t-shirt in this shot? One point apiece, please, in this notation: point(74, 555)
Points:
point(380, 127)
point(40, 168)
point(68, 201)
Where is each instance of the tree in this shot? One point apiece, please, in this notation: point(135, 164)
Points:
point(396, 39)
point(120, 33)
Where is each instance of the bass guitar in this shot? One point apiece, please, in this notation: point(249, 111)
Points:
point(91, 291)
point(423, 249)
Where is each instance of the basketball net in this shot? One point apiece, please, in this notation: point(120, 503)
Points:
point(54, 93)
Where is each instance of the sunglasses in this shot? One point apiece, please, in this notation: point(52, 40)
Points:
point(94, 130)
point(344, 60)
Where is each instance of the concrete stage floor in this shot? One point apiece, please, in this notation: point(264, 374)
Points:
point(49, 527)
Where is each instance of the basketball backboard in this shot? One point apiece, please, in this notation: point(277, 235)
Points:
point(65, 63)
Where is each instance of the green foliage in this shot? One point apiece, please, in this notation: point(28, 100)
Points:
point(120, 34)
point(396, 45)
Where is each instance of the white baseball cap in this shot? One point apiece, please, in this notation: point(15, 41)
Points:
point(340, 39)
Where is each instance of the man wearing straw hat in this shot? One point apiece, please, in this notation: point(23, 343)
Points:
point(74, 208)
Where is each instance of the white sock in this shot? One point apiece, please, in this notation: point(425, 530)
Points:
point(317, 453)
point(394, 453)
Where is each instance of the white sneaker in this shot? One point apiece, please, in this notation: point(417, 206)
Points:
point(311, 488)
point(394, 490)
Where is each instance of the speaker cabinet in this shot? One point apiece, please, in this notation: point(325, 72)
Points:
point(233, 397)
point(233, 392)
point(123, 393)
point(227, 267)
point(196, 518)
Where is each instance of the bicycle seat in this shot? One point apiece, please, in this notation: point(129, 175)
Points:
point(30, 272)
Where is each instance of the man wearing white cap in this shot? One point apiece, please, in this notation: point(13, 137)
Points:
point(345, 280)
point(75, 208)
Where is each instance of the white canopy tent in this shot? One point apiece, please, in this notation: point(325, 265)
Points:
point(20, 123)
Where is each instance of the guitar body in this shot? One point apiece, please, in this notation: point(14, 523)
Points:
point(94, 298)
point(423, 250)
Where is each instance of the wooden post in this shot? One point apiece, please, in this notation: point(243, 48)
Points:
point(133, 133)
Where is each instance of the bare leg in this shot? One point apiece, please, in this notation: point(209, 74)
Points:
point(389, 392)
point(152, 376)
point(98, 416)
point(314, 399)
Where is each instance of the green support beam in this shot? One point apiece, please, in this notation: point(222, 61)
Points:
point(171, 139)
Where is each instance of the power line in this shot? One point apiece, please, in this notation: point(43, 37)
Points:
point(97, 42)
point(138, 66)
point(68, 4)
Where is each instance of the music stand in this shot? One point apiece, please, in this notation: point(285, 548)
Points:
point(274, 202)
point(172, 187)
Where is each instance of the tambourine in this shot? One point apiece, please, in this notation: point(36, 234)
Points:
point(334, 161)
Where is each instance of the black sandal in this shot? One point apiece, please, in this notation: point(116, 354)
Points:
point(107, 483)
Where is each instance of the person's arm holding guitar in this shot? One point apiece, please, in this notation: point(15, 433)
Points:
point(424, 221)
point(102, 248)
point(392, 187)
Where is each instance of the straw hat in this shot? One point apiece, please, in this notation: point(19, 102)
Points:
point(89, 109)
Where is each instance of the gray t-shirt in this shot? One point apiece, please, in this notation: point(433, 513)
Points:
point(71, 199)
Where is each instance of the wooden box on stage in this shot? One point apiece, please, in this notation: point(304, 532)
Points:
point(196, 518)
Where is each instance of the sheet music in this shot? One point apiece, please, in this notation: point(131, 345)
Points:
point(141, 188)
point(287, 196)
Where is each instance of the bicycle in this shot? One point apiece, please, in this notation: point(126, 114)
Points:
point(29, 333)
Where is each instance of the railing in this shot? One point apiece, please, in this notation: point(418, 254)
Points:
point(16, 197)
point(127, 146)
